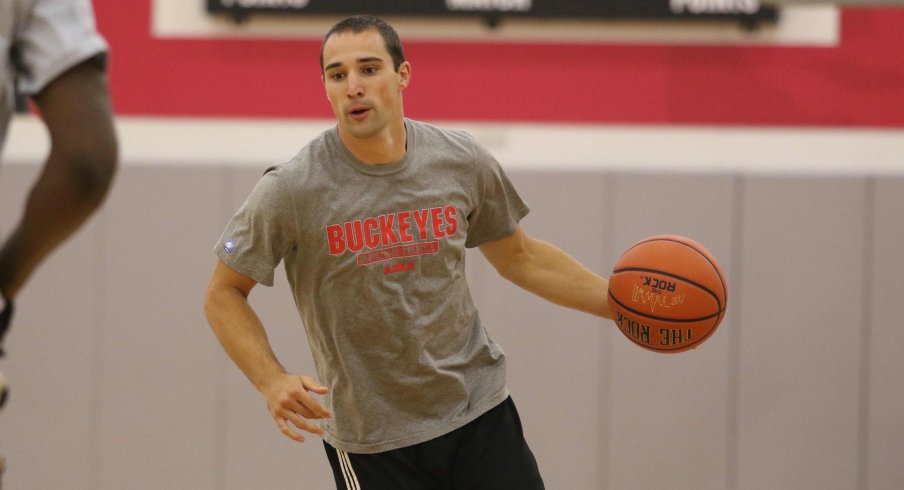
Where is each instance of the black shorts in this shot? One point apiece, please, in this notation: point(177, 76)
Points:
point(489, 453)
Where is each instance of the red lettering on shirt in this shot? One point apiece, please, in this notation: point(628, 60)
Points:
point(387, 234)
point(371, 235)
point(451, 222)
point(391, 235)
point(354, 236)
point(437, 221)
point(404, 227)
point(420, 218)
point(334, 238)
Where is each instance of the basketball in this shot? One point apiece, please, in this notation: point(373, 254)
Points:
point(667, 293)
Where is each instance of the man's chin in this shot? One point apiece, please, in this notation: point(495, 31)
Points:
point(360, 129)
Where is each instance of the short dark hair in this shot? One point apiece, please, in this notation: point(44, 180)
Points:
point(360, 23)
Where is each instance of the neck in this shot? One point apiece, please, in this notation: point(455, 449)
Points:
point(385, 147)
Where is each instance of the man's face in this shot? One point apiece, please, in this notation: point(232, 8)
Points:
point(364, 90)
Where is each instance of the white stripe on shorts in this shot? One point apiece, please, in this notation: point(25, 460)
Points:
point(351, 480)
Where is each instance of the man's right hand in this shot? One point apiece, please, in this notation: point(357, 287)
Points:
point(289, 401)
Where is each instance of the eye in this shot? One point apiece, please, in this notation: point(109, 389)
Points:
point(337, 76)
point(369, 70)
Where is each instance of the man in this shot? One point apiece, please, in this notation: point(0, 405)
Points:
point(51, 52)
point(372, 219)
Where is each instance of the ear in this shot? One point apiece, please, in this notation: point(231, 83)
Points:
point(404, 74)
point(326, 92)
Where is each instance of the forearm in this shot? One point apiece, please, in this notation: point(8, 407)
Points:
point(242, 335)
point(552, 274)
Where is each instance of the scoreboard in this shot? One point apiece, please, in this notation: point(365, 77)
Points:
point(746, 11)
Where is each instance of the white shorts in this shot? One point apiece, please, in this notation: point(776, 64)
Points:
point(49, 37)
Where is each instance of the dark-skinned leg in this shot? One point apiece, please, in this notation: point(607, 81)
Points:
point(75, 179)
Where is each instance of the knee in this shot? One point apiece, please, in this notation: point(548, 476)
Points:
point(90, 171)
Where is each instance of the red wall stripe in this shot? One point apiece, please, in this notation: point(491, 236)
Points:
point(859, 83)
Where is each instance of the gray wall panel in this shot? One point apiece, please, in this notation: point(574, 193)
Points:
point(885, 386)
point(802, 260)
point(159, 402)
point(51, 420)
point(669, 411)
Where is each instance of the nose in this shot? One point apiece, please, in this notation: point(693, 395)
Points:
point(354, 89)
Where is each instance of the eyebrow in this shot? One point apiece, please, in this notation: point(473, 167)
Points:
point(367, 59)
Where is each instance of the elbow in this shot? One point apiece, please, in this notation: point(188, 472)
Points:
point(507, 272)
point(209, 304)
point(513, 269)
point(219, 297)
point(214, 300)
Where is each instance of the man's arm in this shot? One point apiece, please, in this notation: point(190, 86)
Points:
point(547, 271)
point(242, 335)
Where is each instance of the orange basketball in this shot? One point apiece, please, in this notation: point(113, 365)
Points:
point(667, 293)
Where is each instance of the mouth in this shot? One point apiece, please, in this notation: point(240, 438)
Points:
point(359, 112)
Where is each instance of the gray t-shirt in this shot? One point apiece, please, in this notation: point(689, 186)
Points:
point(375, 257)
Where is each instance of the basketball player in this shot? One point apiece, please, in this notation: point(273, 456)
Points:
point(50, 51)
point(372, 219)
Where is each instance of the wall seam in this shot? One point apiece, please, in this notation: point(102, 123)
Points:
point(221, 457)
point(866, 320)
point(733, 402)
point(97, 358)
point(609, 252)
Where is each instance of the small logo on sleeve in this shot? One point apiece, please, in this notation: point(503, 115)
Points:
point(229, 246)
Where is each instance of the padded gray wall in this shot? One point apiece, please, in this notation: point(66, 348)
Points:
point(119, 383)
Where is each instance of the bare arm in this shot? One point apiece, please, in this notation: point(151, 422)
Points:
point(548, 272)
point(242, 335)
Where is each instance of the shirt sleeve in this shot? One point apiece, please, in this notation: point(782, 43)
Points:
point(499, 208)
point(261, 233)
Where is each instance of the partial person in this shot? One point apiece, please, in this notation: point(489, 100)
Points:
point(372, 219)
point(52, 54)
